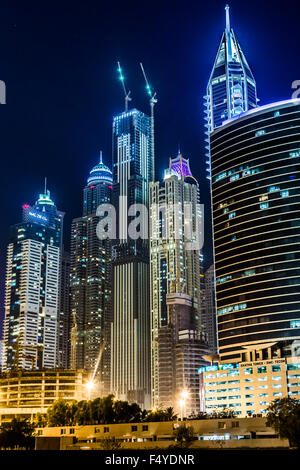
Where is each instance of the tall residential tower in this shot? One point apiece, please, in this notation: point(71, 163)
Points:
point(175, 285)
point(32, 287)
point(90, 282)
point(132, 172)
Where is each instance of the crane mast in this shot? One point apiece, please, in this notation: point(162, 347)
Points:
point(127, 94)
point(153, 101)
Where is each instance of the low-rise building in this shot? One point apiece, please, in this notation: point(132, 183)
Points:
point(248, 387)
point(26, 393)
point(208, 433)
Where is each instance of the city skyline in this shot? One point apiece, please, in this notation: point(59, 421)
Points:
point(94, 85)
point(152, 290)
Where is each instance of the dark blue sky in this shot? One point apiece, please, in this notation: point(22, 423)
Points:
point(58, 60)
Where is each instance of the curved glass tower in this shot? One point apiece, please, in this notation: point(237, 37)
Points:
point(256, 214)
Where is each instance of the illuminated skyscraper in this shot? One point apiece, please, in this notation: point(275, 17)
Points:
point(256, 214)
point(90, 282)
point(209, 310)
point(175, 269)
point(64, 320)
point(231, 89)
point(32, 287)
point(132, 171)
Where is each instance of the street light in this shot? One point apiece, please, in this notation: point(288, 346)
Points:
point(185, 394)
point(181, 404)
point(90, 385)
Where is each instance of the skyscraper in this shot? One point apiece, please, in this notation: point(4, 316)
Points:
point(181, 349)
point(256, 213)
point(231, 89)
point(132, 171)
point(64, 319)
point(32, 287)
point(174, 267)
point(90, 283)
point(209, 310)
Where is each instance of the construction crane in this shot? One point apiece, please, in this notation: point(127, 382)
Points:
point(153, 101)
point(127, 94)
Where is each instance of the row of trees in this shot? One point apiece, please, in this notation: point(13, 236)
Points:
point(105, 410)
point(283, 415)
point(17, 434)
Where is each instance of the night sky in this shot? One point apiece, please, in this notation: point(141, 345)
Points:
point(58, 60)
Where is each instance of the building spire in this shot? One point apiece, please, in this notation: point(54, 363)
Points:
point(101, 156)
point(45, 188)
point(227, 18)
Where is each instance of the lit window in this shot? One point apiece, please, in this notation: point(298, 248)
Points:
point(231, 215)
point(272, 189)
point(234, 177)
point(248, 272)
point(278, 368)
point(221, 176)
point(295, 154)
point(232, 308)
point(284, 193)
point(262, 370)
point(264, 205)
point(259, 133)
point(248, 370)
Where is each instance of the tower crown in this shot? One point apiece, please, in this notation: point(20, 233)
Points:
point(180, 167)
point(100, 174)
point(231, 89)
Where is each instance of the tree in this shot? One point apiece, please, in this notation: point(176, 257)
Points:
point(184, 435)
point(158, 415)
point(61, 413)
point(224, 413)
point(40, 420)
point(107, 404)
point(18, 433)
point(284, 416)
point(83, 414)
point(126, 413)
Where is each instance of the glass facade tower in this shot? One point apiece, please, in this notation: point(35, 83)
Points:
point(231, 89)
point(256, 216)
point(132, 172)
point(90, 283)
point(32, 288)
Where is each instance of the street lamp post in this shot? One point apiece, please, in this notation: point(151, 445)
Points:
point(181, 403)
point(90, 385)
